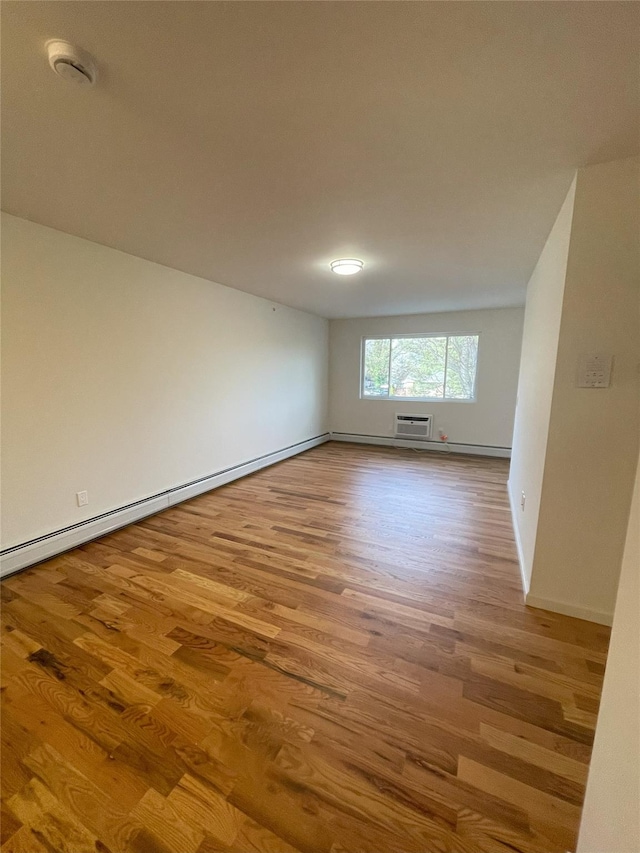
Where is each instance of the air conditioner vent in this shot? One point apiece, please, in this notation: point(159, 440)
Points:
point(413, 426)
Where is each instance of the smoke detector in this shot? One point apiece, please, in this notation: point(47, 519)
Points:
point(71, 63)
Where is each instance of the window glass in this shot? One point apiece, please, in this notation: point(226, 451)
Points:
point(376, 368)
point(417, 367)
point(432, 367)
point(461, 367)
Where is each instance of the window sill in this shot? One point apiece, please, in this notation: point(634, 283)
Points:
point(419, 399)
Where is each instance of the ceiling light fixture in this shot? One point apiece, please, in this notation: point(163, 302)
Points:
point(71, 63)
point(346, 266)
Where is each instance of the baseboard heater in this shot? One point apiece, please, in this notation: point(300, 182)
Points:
point(423, 444)
point(51, 544)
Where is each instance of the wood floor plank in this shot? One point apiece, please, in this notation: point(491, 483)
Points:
point(551, 816)
point(167, 823)
point(329, 656)
point(36, 807)
point(570, 769)
point(25, 840)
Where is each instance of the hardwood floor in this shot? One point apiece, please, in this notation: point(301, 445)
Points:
point(331, 655)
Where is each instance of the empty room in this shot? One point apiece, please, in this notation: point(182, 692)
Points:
point(320, 426)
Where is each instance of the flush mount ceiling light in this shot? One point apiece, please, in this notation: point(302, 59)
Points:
point(71, 63)
point(346, 266)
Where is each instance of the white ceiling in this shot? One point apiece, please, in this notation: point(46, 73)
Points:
point(253, 142)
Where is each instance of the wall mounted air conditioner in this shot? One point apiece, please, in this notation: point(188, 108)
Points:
point(413, 426)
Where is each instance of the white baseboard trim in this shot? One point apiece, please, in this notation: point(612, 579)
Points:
point(565, 609)
point(44, 547)
point(574, 610)
point(516, 536)
point(438, 446)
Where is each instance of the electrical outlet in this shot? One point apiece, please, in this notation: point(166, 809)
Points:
point(523, 500)
point(82, 498)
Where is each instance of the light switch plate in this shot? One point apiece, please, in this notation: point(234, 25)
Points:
point(594, 370)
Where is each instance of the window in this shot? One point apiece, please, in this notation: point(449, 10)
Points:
point(426, 367)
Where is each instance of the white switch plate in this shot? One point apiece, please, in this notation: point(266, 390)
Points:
point(594, 370)
point(82, 498)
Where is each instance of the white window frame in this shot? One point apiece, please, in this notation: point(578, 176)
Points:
point(392, 337)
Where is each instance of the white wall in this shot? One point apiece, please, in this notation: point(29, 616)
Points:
point(592, 433)
point(488, 421)
point(611, 814)
point(126, 378)
point(545, 293)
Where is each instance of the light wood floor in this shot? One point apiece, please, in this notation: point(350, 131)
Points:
point(330, 655)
